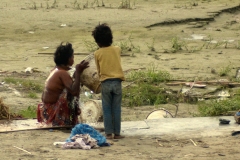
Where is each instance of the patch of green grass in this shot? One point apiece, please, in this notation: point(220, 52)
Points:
point(146, 89)
point(224, 71)
point(30, 112)
point(11, 80)
point(151, 45)
point(34, 6)
point(126, 4)
point(128, 46)
point(177, 44)
point(32, 95)
point(54, 5)
point(91, 46)
point(29, 85)
point(144, 94)
point(151, 75)
point(218, 107)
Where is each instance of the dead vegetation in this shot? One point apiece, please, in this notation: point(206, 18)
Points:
point(4, 110)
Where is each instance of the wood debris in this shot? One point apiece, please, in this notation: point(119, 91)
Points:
point(22, 149)
point(193, 142)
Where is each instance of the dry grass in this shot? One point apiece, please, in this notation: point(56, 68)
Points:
point(4, 110)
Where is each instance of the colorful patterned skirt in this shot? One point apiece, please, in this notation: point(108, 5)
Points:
point(64, 112)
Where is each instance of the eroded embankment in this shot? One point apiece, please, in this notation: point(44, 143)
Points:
point(204, 20)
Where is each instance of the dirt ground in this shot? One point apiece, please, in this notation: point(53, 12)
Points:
point(29, 28)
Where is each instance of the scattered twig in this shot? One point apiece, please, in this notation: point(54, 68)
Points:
point(129, 84)
point(176, 105)
point(191, 86)
point(193, 142)
point(175, 83)
point(22, 149)
point(160, 144)
point(134, 69)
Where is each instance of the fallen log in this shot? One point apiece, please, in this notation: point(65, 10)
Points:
point(80, 54)
point(234, 84)
point(226, 83)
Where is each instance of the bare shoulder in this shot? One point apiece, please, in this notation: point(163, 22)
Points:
point(61, 73)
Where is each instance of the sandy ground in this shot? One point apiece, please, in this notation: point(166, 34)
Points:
point(29, 27)
point(40, 145)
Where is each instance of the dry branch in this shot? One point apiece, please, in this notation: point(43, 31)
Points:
point(22, 149)
point(226, 83)
point(193, 142)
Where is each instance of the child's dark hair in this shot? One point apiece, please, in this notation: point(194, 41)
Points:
point(103, 35)
point(63, 53)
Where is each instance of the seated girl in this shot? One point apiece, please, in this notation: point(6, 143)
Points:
point(60, 97)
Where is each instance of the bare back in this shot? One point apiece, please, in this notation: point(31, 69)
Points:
point(57, 81)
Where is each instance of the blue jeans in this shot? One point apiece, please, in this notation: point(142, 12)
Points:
point(111, 105)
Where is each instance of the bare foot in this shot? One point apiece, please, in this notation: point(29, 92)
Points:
point(109, 136)
point(118, 137)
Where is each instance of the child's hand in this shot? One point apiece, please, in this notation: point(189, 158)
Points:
point(81, 66)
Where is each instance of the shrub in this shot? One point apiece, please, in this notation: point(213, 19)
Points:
point(218, 107)
point(30, 112)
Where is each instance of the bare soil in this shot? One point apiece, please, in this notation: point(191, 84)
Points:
point(29, 28)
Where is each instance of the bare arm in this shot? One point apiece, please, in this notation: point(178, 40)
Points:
point(73, 86)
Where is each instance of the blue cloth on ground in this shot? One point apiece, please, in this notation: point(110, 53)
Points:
point(86, 129)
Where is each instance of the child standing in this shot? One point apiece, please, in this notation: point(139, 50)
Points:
point(108, 62)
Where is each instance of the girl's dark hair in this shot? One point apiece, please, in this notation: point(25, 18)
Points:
point(63, 53)
point(103, 35)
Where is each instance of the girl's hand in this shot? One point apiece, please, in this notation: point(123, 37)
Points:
point(82, 66)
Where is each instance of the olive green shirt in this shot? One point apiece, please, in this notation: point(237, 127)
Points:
point(108, 63)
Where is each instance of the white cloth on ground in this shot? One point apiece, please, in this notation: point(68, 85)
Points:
point(81, 141)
